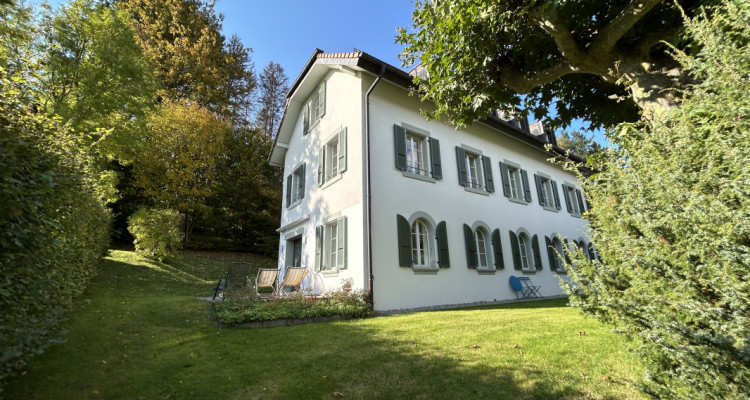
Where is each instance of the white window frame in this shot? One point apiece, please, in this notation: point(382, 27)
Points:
point(331, 163)
point(420, 243)
point(481, 248)
point(526, 252)
point(559, 246)
point(569, 192)
point(330, 257)
point(474, 170)
point(516, 183)
point(416, 147)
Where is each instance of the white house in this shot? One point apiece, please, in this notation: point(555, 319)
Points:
point(417, 211)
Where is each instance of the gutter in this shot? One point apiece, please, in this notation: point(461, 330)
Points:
point(368, 191)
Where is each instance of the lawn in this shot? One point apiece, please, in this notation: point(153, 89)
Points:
point(140, 333)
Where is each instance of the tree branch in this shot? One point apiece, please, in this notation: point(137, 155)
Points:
point(550, 21)
point(523, 83)
point(643, 46)
point(632, 13)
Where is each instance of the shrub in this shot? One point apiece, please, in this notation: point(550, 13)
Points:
point(53, 229)
point(670, 216)
point(157, 232)
point(294, 306)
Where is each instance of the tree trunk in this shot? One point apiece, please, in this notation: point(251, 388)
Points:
point(654, 89)
point(187, 229)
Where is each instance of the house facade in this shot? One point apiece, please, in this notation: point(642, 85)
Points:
point(418, 212)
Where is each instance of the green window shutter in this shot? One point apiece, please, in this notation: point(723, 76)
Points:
point(399, 139)
point(437, 168)
point(568, 200)
point(289, 190)
point(538, 181)
point(342, 150)
point(551, 254)
point(321, 166)
point(471, 247)
point(515, 250)
point(537, 254)
point(404, 242)
point(318, 246)
point(555, 194)
point(497, 247)
point(341, 228)
point(579, 196)
point(442, 239)
point(461, 162)
point(301, 193)
point(321, 100)
point(505, 178)
point(489, 183)
point(306, 119)
point(526, 189)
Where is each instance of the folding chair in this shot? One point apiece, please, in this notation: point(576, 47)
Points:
point(236, 278)
point(520, 290)
point(531, 289)
point(267, 278)
point(292, 278)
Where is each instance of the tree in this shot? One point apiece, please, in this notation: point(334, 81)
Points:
point(95, 76)
point(669, 216)
point(579, 57)
point(273, 88)
point(178, 167)
point(578, 143)
point(182, 39)
point(240, 81)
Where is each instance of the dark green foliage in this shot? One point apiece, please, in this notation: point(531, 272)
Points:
point(670, 216)
point(296, 306)
point(157, 232)
point(53, 229)
point(578, 143)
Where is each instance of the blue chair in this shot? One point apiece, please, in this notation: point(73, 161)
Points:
point(532, 291)
point(518, 288)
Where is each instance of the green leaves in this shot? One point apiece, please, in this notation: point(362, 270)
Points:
point(669, 212)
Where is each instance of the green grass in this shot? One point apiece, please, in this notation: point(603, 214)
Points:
point(140, 333)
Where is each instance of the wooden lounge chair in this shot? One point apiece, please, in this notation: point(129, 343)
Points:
point(267, 278)
point(292, 278)
point(236, 278)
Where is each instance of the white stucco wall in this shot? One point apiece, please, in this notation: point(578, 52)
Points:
point(342, 197)
point(398, 287)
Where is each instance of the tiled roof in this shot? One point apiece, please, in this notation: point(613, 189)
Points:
point(351, 54)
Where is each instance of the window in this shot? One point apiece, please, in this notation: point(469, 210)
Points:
point(332, 158)
point(315, 108)
point(573, 200)
point(592, 253)
point(330, 245)
point(555, 253)
point(546, 190)
point(479, 254)
point(515, 183)
point(422, 245)
point(417, 154)
point(526, 256)
point(474, 170)
point(295, 186)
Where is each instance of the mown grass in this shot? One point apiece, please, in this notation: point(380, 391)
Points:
point(140, 333)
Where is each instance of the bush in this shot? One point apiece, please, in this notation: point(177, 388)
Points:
point(245, 308)
point(157, 232)
point(671, 219)
point(53, 229)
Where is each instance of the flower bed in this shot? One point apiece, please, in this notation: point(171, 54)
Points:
point(242, 307)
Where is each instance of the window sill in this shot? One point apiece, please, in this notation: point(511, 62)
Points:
point(330, 181)
point(519, 201)
point(418, 176)
point(486, 271)
point(312, 127)
point(330, 273)
point(576, 215)
point(562, 272)
point(477, 191)
point(550, 208)
point(425, 270)
point(294, 204)
point(529, 272)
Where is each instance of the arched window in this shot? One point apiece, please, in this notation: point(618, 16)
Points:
point(420, 243)
point(525, 251)
point(560, 252)
point(481, 243)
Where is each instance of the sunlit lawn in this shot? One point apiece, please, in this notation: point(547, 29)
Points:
point(141, 333)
